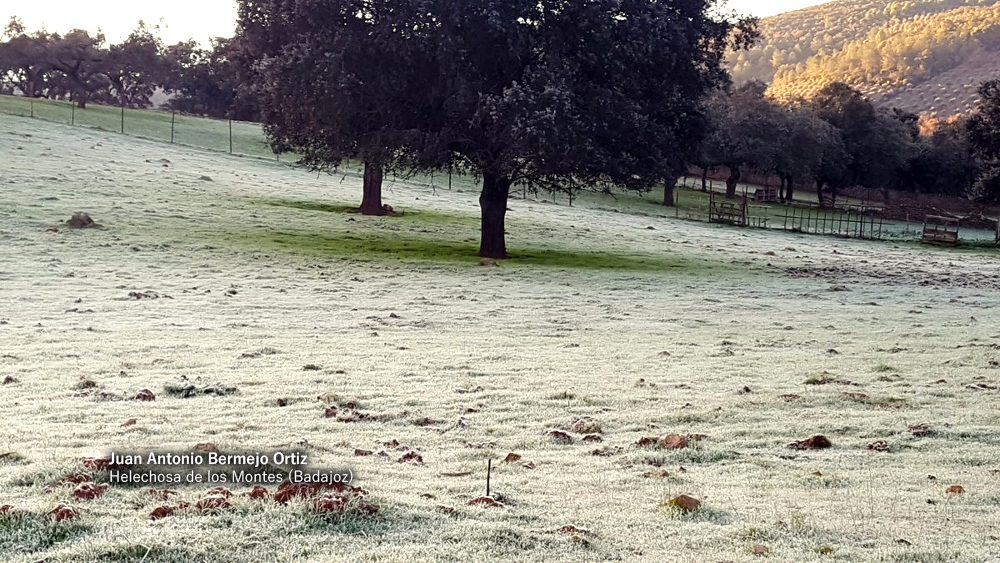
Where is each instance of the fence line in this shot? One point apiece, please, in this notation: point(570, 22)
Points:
point(234, 137)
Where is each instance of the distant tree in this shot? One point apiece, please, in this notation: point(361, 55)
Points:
point(346, 79)
point(984, 140)
point(80, 58)
point(942, 163)
point(24, 62)
point(878, 144)
point(806, 140)
point(136, 66)
point(207, 81)
point(745, 131)
point(574, 95)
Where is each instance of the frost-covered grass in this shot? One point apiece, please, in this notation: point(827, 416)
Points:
point(648, 325)
point(211, 134)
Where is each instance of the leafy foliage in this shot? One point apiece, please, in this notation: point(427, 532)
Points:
point(984, 139)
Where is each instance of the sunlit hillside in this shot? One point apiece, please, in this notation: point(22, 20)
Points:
point(923, 56)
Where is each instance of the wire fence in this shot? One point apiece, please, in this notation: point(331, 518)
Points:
point(248, 139)
point(233, 137)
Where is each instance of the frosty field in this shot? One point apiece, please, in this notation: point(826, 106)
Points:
point(253, 275)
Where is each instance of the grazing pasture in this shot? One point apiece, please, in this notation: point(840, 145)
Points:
point(250, 276)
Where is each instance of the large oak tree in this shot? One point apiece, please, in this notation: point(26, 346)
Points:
point(347, 79)
point(596, 94)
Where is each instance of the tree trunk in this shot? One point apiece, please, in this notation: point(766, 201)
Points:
point(781, 187)
point(371, 199)
point(493, 204)
point(731, 181)
point(819, 192)
point(704, 179)
point(789, 189)
point(668, 191)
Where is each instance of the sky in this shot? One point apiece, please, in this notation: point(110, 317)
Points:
point(200, 20)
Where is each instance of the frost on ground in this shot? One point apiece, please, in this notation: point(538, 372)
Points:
point(247, 276)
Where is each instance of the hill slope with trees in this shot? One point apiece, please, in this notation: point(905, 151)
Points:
point(923, 56)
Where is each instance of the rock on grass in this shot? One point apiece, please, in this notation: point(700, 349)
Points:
point(684, 503)
point(187, 389)
point(559, 437)
point(816, 442)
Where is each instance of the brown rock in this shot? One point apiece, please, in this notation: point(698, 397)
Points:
point(955, 490)
point(512, 457)
point(586, 425)
point(920, 429)
point(330, 412)
point(81, 221)
point(161, 512)
point(487, 262)
point(362, 453)
point(97, 463)
point(657, 473)
point(559, 437)
point(89, 490)
point(646, 441)
point(593, 438)
point(212, 502)
point(63, 512)
point(258, 492)
point(760, 549)
point(412, 456)
point(673, 441)
point(816, 442)
point(206, 447)
point(6, 509)
point(129, 422)
point(684, 503)
point(878, 446)
point(145, 395)
point(8, 380)
point(486, 501)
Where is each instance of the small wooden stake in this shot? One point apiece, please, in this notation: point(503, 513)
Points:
point(489, 469)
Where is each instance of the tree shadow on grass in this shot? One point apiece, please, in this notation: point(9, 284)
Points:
point(404, 247)
point(367, 240)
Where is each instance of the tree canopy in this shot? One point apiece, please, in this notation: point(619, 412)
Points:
point(347, 79)
point(566, 94)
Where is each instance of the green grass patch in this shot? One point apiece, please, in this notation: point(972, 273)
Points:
point(403, 217)
point(411, 247)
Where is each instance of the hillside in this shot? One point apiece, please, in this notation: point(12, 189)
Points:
point(923, 56)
